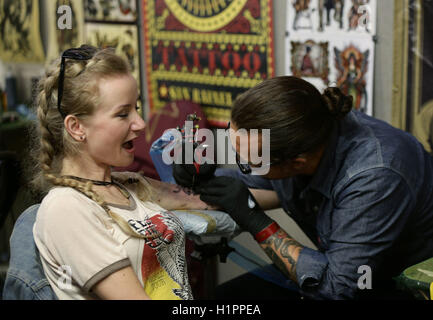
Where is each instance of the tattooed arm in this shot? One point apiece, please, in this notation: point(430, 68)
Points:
point(172, 196)
point(237, 200)
point(280, 247)
point(284, 252)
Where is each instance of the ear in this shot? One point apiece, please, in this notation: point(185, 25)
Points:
point(74, 127)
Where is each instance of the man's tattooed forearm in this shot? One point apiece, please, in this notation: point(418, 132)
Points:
point(283, 251)
point(275, 259)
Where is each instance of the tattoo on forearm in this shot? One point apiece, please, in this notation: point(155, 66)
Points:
point(283, 251)
point(278, 262)
point(175, 197)
point(186, 190)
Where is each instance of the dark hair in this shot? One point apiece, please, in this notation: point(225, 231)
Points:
point(299, 117)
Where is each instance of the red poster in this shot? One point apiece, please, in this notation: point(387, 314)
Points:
point(206, 52)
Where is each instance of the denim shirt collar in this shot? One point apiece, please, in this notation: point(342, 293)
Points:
point(326, 172)
point(324, 177)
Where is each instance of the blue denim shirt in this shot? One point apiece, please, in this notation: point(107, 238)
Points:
point(370, 203)
point(25, 279)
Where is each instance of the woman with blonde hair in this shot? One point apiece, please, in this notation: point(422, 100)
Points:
point(101, 234)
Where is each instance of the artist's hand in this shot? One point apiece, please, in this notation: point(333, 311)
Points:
point(190, 175)
point(186, 175)
point(233, 197)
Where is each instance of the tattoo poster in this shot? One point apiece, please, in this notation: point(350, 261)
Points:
point(110, 10)
point(123, 38)
point(354, 73)
point(331, 43)
point(336, 17)
point(113, 23)
point(413, 70)
point(62, 39)
point(206, 52)
point(310, 59)
point(19, 31)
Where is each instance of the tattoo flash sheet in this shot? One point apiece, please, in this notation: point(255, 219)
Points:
point(331, 43)
point(332, 16)
point(62, 39)
point(19, 31)
point(110, 10)
point(123, 38)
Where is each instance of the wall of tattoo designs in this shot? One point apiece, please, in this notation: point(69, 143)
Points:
point(102, 23)
point(19, 31)
point(331, 43)
point(206, 52)
point(412, 99)
point(114, 23)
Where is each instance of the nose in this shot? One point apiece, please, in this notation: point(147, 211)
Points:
point(138, 123)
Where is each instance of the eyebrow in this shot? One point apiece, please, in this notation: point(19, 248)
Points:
point(126, 105)
point(122, 106)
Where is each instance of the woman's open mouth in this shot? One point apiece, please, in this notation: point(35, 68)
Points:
point(129, 146)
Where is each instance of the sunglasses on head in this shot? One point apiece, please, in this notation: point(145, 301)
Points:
point(82, 53)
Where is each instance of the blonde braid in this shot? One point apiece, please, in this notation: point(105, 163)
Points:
point(87, 190)
point(44, 152)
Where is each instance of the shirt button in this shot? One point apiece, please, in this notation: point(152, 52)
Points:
point(315, 208)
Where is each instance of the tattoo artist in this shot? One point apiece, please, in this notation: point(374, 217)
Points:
point(360, 189)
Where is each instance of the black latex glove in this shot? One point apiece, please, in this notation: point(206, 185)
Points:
point(186, 174)
point(233, 196)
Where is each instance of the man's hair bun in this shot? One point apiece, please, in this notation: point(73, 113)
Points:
point(336, 102)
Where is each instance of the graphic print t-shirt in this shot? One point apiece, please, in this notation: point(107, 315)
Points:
point(80, 245)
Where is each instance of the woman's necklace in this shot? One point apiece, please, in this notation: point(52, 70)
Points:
point(95, 182)
point(120, 187)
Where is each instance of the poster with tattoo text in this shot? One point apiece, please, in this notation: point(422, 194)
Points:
point(206, 52)
point(331, 43)
point(19, 31)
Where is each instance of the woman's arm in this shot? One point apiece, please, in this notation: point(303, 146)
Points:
point(174, 197)
point(120, 285)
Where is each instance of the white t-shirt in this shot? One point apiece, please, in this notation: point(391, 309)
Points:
point(80, 244)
